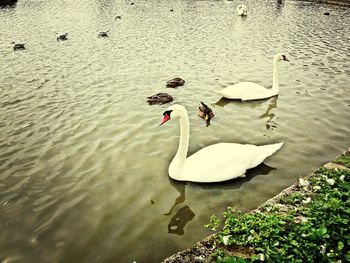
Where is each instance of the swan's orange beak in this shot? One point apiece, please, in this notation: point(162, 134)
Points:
point(165, 119)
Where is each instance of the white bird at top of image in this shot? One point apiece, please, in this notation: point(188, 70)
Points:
point(215, 163)
point(251, 90)
point(242, 10)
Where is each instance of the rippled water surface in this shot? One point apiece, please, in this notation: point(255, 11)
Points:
point(83, 162)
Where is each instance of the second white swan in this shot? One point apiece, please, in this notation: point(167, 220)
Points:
point(214, 163)
point(253, 91)
point(242, 10)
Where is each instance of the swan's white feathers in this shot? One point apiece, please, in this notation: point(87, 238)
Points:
point(242, 10)
point(253, 91)
point(246, 91)
point(223, 161)
point(217, 162)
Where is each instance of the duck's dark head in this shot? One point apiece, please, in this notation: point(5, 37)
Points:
point(281, 57)
point(206, 113)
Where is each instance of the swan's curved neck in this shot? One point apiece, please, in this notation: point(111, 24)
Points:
point(184, 139)
point(275, 83)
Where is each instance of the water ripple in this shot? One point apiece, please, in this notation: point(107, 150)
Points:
point(82, 152)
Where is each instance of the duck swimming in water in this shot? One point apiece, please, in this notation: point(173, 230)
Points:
point(175, 82)
point(160, 98)
point(205, 112)
point(18, 46)
point(103, 33)
point(62, 37)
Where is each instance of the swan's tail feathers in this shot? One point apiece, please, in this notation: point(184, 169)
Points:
point(272, 148)
point(265, 151)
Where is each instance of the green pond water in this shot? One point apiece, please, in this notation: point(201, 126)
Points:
point(83, 160)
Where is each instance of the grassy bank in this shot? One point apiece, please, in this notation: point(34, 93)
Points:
point(308, 222)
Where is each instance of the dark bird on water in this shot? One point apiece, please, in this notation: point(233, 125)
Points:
point(18, 46)
point(159, 98)
point(103, 33)
point(176, 82)
point(205, 112)
point(62, 37)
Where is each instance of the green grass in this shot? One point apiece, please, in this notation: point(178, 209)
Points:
point(309, 225)
point(343, 160)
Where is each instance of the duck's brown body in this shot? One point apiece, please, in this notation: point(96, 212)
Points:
point(176, 82)
point(205, 112)
point(160, 98)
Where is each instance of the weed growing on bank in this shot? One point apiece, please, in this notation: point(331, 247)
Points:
point(310, 224)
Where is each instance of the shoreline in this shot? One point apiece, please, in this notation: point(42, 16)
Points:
point(330, 2)
point(202, 250)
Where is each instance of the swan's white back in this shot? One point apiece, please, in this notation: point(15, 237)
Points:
point(246, 91)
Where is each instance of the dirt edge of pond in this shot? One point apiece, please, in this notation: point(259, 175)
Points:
point(201, 251)
point(330, 2)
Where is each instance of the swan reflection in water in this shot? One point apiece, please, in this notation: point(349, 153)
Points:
point(184, 215)
point(279, 5)
point(270, 124)
point(179, 220)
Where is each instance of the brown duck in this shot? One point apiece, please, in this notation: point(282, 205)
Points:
point(205, 112)
point(176, 82)
point(160, 98)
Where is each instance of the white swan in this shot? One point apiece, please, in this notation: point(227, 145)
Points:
point(253, 91)
point(215, 163)
point(242, 10)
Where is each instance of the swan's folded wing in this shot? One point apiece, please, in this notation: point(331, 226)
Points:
point(245, 91)
point(220, 162)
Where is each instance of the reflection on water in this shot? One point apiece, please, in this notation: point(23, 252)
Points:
point(81, 152)
point(179, 220)
point(270, 124)
point(180, 187)
point(223, 102)
point(262, 169)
